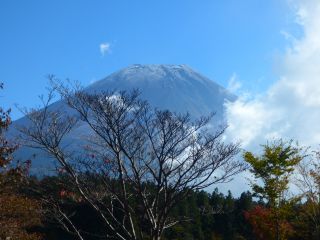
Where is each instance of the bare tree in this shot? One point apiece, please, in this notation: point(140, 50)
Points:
point(308, 182)
point(139, 163)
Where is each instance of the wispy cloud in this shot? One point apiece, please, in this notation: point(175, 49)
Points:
point(104, 48)
point(234, 84)
point(290, 108)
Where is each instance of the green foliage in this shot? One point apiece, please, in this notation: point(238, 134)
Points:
point(273, 168)
point(213, 216)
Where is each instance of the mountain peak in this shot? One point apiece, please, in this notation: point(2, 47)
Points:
point(159, 66)
point(169, 86)
point(141, 74)
point(160, 69)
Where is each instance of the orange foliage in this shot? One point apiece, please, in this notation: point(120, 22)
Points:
point(17, 213)
point(263, 222)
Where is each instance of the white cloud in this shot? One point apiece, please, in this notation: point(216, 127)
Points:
point(105, 48)
point(290, 108)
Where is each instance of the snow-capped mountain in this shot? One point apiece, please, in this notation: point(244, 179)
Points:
point(175, 87)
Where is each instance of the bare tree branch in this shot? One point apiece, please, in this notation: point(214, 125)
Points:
point(139, 163)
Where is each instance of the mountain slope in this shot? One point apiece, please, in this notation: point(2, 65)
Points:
point(174, 87)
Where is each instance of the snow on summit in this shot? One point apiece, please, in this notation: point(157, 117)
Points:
point(174, 87)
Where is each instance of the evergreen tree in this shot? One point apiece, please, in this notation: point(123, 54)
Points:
point(243, 203)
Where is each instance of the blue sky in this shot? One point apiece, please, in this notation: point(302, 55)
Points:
point(216, 38)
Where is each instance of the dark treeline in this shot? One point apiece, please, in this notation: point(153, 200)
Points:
point(203, 215)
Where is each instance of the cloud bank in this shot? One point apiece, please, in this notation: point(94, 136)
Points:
point(290, 108)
